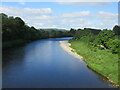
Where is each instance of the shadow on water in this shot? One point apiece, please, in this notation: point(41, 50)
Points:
point(10, 55)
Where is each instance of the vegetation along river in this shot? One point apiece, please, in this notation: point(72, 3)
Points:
point(44, 64)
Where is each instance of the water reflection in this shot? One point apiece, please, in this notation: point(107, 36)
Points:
point(44, 64)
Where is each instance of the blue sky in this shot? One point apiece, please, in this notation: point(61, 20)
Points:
point(64, 15)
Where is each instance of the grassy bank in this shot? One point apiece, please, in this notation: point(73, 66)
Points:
point(13, 43)
point(101, 61)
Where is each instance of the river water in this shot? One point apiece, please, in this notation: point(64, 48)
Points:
point(44, 64)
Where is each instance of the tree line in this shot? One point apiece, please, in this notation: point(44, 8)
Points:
point(14, 28)
point(100, 39)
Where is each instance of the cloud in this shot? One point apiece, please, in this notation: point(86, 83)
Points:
point(85, 3)
point(62, 0)
point(31, 16)
point(89, 19)
point(20, 11)
point(37, 11)
point(39, 24)
point(78, 20)
point(107, 15)
point(45, 18)
point(41, 17)
point(76, 14)
point(22, 3)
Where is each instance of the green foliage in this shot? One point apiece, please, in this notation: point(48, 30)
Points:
point(81, 33)
point(106, 39)
point(15, 29)
point(103, 37)
point(54, 33)
point(86, 32)
point(116, 29)
point(72, 31)
point(114, 45)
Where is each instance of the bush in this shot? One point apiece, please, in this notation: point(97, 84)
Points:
point(103, 37)
point(114, 45)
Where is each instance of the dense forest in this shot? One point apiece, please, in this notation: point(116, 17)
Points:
point(100, 49)
point(16, 32)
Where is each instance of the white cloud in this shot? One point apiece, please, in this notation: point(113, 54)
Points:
point(107, 15)
point(22, 3)
point(20, 11)
point(39, 24)
point(78, 20)
point(85, 3)
point(62, 0)
point(76, 14)
point(85, 0)
point(45, 18)
point(38, 17)
point(31, 16)
point(37, 11)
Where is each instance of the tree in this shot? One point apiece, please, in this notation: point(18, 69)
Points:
point(14, 28)
point(103, 37)
point(72, 31)
point(81, 33)
point(116, 29)
point(114, 45)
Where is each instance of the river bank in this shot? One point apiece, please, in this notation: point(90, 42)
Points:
point(66, 46)
point(73, 51)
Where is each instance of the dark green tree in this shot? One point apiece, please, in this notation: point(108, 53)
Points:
point(116, 29)
point(103, 37)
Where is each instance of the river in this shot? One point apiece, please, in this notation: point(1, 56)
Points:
point(44, 64)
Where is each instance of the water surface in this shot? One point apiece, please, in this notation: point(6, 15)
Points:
point(44, 64)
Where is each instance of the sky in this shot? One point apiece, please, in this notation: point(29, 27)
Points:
point(64, 15)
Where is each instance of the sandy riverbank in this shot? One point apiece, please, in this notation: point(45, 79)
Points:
point(66, 46)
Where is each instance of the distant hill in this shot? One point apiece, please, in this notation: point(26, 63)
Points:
point(55, 29)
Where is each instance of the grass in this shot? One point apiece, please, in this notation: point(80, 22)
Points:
point(101, 61)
